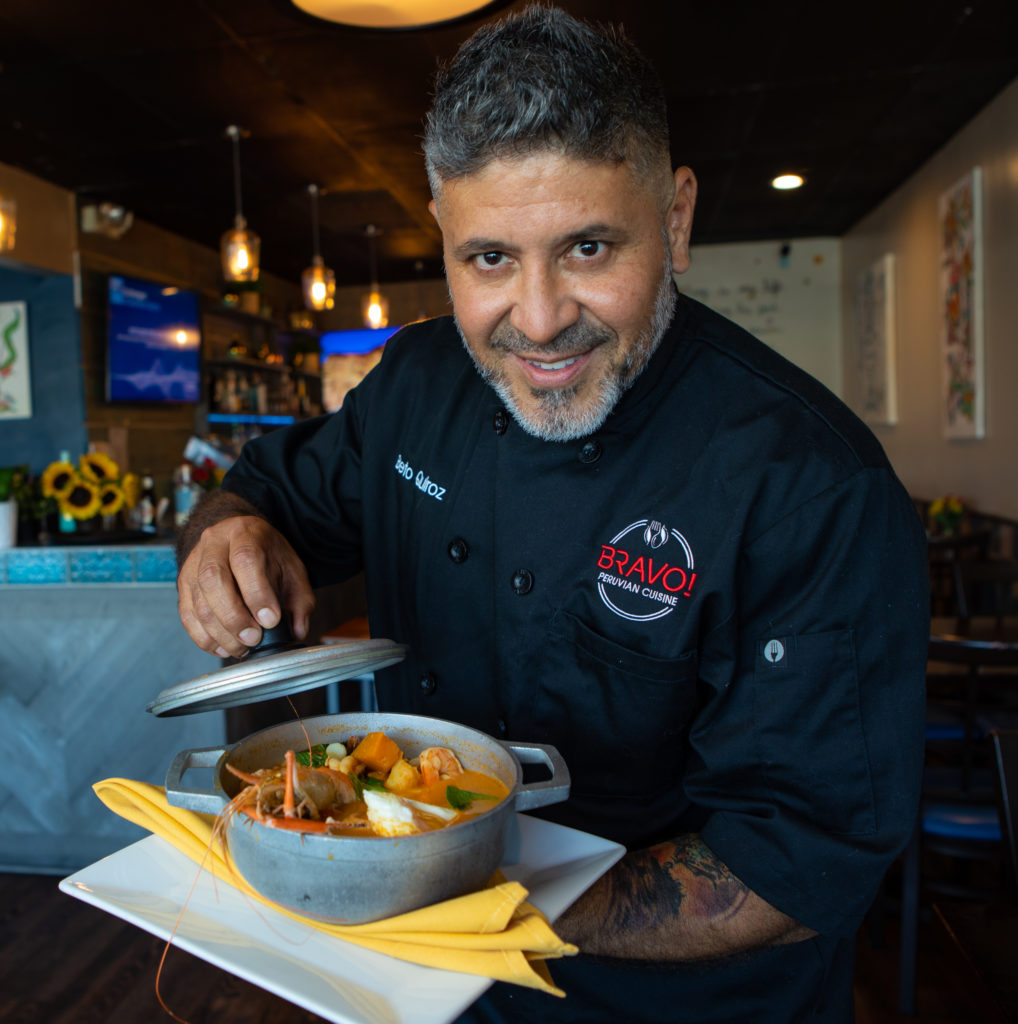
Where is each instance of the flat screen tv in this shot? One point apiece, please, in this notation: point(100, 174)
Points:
point(153, 342)
point(354, 341)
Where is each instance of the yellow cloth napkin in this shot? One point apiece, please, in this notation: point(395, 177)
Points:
point(494, 933)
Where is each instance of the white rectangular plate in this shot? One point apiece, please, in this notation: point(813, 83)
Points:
point(148, 883)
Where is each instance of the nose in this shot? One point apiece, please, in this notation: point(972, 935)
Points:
point(542, 305)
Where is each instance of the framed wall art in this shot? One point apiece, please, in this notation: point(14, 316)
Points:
point(15, 377)
point(875, 342)
point(961, 309)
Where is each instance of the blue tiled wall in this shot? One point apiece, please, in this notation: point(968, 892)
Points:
point(20, 566)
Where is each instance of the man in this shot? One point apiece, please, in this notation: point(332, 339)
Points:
point(604, 518)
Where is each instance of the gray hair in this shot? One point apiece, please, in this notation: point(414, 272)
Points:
point(541, 80)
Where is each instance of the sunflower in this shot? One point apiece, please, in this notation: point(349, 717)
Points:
point(98, 467)
point(58, 479)
point(131, 488)
point(82, 500)
point(111, 499)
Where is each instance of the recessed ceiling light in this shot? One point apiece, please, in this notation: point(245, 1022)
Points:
point(396, 14)
point(786, 181)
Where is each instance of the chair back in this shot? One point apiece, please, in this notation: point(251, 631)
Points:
point(1005, 747)
point(972, 688)
point(985, 586)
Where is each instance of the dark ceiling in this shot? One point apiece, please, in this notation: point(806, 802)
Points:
point(128, 102)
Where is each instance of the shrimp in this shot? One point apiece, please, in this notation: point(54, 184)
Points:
point(438, 763)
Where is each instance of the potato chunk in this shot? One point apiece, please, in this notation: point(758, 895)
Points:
point(403, 777)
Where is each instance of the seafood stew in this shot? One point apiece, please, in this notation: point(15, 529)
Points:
point(366, 786)
point(346, 878)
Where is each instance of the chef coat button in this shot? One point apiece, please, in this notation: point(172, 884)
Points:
point(459, 550)
point(428, 683)
point(503, 729)
point(500, 421)
point(590, 452)
point(523, 581)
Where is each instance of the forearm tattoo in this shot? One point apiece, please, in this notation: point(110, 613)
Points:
point(673, 879)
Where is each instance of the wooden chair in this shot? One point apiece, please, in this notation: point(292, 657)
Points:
point(355, 628)
point(985, 587)
point(1005, 747)
point(972, 688)
point(960, 820)
point(944, 553)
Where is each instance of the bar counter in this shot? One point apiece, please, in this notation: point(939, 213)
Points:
point(88, 636)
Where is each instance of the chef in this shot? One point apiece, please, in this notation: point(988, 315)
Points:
point(605, 518)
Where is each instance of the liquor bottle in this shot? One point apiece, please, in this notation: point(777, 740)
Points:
point(147, 505)
point(185, 494)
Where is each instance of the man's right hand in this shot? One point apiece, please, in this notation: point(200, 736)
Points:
point(239, 577)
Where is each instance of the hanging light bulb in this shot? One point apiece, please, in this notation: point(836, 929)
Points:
point(240, 247)
point(396, 14)
point(374, 305)
point(317, 282)
point(376, 310)
point(8, 223)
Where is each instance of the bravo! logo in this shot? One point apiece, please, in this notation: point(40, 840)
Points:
point(645, 571)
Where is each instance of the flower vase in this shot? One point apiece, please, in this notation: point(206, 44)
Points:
point(8, 523)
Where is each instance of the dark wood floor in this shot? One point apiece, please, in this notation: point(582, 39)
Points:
point(65, 962)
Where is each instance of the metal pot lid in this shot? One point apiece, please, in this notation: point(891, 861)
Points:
point(285, 670)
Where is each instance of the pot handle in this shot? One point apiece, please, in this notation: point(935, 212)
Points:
point(546, 791)
point(205, 801)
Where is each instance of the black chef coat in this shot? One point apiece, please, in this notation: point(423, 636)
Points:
point(714, 607)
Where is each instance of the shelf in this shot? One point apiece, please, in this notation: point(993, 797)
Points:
point(261, 419)
point(258, 365)
point(241, 316)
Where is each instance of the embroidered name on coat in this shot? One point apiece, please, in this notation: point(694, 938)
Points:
point(420, 480)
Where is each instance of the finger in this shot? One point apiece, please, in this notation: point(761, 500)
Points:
point(298, 598)
point(213, 600)
point(190, 620)
point(256, 589)
point(225, 638)
point(196, 631)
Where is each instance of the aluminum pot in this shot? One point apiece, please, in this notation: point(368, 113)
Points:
point(350, 880)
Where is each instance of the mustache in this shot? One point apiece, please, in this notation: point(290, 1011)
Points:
point(578, 337)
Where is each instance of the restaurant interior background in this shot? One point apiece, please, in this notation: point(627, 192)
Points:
point(901, 116)
point(108, 107)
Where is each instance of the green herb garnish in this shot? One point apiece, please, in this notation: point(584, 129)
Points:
point(363, 782)
point(462, 798)
point(314, 758)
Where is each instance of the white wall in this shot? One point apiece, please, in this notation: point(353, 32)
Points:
point(985, 472)
point(786, 293)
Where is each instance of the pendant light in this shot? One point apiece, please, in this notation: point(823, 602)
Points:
point(240, 247)
point(317, 282)
point(8, 223)
point(397, 14)
point(374, 305)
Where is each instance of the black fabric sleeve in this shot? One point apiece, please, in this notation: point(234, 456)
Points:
point(810, 742)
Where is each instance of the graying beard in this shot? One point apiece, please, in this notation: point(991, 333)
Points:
point(556, 420)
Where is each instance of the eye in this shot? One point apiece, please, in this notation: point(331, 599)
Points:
point(588, 249)
point(489, 259)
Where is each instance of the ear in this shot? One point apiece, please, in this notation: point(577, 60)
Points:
point(679, 218)
point(433, 210)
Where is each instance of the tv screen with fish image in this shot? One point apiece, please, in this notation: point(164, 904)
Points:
point(154, 342)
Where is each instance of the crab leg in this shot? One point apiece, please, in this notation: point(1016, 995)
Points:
point(251, 780)
point(291, 771)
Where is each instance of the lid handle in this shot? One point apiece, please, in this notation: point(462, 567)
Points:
point(273, 640)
